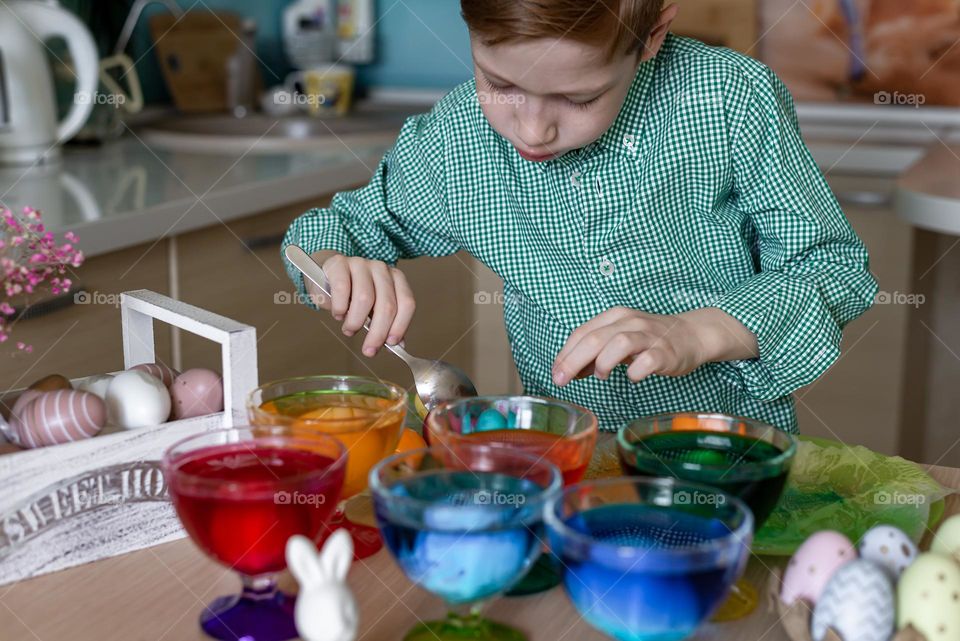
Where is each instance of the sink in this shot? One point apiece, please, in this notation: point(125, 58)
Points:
point(260, 133)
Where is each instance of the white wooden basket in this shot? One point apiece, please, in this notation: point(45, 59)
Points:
point(68, 504)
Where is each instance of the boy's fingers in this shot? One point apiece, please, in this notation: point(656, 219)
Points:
point(582, 355)
point(405, 307)
point(338, 277)
point(620, 348)
point(362, 295)
point(597, 322)
point(384, 309)
point(577, 335)
point(645, 364)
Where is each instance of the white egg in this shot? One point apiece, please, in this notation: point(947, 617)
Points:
point(137, 399)
point(889, 547)
point(96, 384)
point(858, 603)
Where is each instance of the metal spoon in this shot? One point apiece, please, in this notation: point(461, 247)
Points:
point(437, 381)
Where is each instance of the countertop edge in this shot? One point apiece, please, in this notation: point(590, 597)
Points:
point(112, 234)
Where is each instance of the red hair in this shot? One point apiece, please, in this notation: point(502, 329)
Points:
point(617, 25)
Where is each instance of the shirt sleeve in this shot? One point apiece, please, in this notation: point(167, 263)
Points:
point(400, 213)
point(812, 274)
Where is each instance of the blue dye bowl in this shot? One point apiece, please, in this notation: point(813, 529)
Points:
point(464, 522)
point(648, 559)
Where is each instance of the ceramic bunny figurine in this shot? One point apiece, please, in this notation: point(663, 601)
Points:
point(325, 609)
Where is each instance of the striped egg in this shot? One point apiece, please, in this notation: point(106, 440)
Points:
point(158, 370)
point(12, 431)
point(61, 416)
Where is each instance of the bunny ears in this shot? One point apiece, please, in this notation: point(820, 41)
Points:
point(311, 568)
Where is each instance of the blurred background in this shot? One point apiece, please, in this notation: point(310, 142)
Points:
point(178, 139)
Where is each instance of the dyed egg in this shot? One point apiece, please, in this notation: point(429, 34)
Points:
point(419, 407)
point(928, 598)
point(946, 542)
point(812, 565)
point(12, 433)
point(158, 370)
point(59, 416)
point(489, 420)
point(96, 384)
point(889, 547)
point(858, 603)
point(50, 383)
point(196, 392)
point(137, 399)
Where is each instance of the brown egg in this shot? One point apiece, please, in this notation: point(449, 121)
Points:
point(59, 416)
point(52, 382)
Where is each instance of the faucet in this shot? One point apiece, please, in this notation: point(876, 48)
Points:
point(134, 16)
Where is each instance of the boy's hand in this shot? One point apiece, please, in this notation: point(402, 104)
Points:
point(652, 344)
point(362, 288)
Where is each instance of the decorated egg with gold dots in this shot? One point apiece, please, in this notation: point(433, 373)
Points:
point(889, 547)
point(928, 598)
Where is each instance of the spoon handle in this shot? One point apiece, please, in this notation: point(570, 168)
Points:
point(314, 273)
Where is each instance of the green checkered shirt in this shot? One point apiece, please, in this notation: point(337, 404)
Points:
point(701, 193)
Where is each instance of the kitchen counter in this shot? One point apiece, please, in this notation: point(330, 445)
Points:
point(157, 594)
point(133, 190)
point(928, 194)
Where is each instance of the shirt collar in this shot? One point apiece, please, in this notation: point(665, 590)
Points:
point(624, 134)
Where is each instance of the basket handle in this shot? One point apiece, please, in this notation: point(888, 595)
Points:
point(238, 342)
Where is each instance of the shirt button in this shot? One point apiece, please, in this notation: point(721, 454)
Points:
point(606, 267)
point(575, 178)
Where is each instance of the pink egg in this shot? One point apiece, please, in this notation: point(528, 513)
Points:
point(812, 565)
point(196, 392)
point(11, 431)
point(61, 416)
point(158, 370)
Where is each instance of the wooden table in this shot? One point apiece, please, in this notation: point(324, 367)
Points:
point(156, 594)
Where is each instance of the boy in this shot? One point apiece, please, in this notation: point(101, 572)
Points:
point(665, 240)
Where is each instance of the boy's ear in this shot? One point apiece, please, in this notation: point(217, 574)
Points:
point(659, 32)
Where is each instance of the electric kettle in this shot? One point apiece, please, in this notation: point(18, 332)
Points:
point(29, 131)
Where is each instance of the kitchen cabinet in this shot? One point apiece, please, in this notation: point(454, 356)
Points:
point(859, 399)
point(80, 335)
point(235, 269)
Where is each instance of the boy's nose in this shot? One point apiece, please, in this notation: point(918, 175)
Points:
point(535, 127)
point(536, 133)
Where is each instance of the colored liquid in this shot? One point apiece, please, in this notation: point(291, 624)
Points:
point(572, 457)
point(641, 597)
point(245, 521)
point(472, 542)
point(724, 453)
point(366, 425)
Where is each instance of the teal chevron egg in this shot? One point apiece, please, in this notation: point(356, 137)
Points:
point(858, 603)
